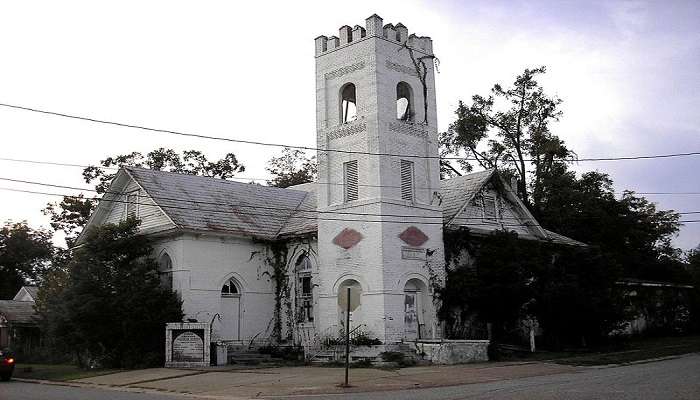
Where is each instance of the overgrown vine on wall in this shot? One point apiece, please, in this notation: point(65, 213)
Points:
point(279, 255)
point(276, 258)
point(436, 280)
point(422, 72)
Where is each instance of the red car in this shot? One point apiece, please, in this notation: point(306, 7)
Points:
point(7, 365)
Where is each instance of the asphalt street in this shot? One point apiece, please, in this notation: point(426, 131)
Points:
point(677, 378)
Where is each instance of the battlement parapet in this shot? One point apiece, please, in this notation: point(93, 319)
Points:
point(374, 27)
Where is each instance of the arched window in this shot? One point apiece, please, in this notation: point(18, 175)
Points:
point(229, 288)
point(305, 299)
point(404, 102)
point(348, 103)
point(165, 271)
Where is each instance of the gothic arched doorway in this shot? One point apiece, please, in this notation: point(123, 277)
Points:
point(230, 311)
point(415, 293)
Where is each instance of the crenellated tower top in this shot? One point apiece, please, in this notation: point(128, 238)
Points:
point(374, 27)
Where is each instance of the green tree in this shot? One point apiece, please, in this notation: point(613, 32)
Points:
point(24, 254)
point(72, 213)
point(630, 230)
point(693, 265)
point(510, 130)
point(572, 292)
point(291, 168)
point(576, 298)
point(111, 308)
point(493, 283)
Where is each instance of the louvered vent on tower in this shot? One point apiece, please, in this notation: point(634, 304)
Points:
point(407, 180)
point(351, 192)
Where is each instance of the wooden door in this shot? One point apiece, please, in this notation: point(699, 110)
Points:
point(411, 307)
point(230, 317)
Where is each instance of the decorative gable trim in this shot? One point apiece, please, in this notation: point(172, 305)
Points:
point(151, 197)
point(470, 198)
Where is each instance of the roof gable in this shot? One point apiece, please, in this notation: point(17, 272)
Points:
point(112, 204)
point(26, 293)
point(458, 192)
point(205, 204)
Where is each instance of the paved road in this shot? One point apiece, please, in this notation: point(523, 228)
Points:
point(15, 390)
point(663, 380)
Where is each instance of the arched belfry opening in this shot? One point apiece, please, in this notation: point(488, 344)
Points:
point(348, 103)
point(404, 102)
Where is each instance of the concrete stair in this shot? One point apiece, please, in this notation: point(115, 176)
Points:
point(250, 357)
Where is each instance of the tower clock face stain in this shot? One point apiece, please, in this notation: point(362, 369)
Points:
point(413, 236)
point(347, 238)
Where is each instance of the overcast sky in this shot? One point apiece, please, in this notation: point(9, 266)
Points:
point(628, 72)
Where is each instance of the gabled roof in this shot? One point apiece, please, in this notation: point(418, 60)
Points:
point(18, 312)
point(459, 191)
point(206, 204)
point(30, 290)
point(210, 204)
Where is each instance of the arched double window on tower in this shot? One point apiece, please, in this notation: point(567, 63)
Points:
point(304, 292)
point(404, 102)
point(348, 103)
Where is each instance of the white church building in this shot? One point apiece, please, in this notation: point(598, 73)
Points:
point(374, 221)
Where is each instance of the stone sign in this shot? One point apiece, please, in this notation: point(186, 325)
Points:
point(187, 345)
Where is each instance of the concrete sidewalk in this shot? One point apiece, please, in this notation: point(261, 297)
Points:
point(254, 383)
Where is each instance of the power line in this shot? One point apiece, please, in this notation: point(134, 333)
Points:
point(249, 179)
point(298, 209)
point(239, 212)
point(260, 214)
point(259, 143)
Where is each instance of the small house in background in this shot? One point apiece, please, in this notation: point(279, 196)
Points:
point(656, 307)
point(19, 326)
point(27, 293)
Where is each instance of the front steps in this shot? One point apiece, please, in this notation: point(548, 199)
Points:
point(372, 354)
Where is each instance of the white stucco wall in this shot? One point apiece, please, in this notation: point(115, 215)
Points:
point(375, 63)
point(202, 264)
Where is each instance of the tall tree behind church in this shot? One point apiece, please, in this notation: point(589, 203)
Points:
point(24, 255)
point(509, 129)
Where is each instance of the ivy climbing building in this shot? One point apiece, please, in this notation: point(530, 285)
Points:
point(262, 263)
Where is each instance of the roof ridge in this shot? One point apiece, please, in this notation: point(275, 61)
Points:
point(227, 181)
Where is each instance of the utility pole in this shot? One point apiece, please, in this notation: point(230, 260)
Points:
point(347, 340)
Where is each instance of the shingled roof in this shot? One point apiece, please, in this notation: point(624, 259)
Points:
point(458, 191)
point(18, 312)
point(209, 204)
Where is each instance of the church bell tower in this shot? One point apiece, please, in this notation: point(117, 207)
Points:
point(380, 222)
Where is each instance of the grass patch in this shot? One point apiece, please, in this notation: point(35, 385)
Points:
point(628, 350)
point(638, 350)
point(57, 372)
